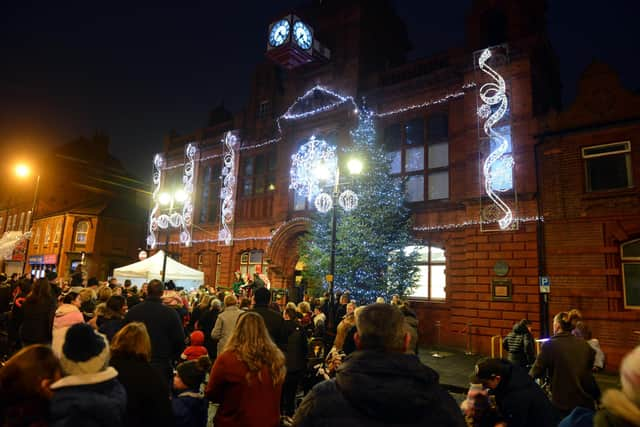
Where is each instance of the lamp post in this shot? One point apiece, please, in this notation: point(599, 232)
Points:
point(169, 199)
point(354, 166)
point(23, 171)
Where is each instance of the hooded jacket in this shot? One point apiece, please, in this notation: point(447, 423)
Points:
point(374, 388)
point(520, 345)
point(522, 402)
point(197, 348)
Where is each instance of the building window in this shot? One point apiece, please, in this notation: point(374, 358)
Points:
point(58, 233)
point(264, 109)
point(630, 252)
point(252, 262)
point(608, 166)
point(47, 235)
point(13, 222)
point(299, 202)
point(419, 152)
point(259, 174)
point(21, 223)
point(81, 233)
point(210, 194)
point(431, 272)
point(36, 237)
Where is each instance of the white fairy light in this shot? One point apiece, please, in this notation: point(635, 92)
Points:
point(304, 164)
point(472, 223)
point(348, 200)
point(441, 100)
point(188, 177)
point(228, 190)
point(497, 167)
point(158, 164)
point(323, 203)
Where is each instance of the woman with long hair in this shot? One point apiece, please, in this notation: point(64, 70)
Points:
point(247, 377)
point(24, 386)
point(148, 394)
point(39, 308)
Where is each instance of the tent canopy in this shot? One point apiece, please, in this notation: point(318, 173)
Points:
point(151, 268)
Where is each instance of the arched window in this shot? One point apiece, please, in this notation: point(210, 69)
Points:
point(47, 235)
point(252, 262)
point(431, 272)
point(82, 229)
point(36, 237)
point(630, 253)
point(58, 233)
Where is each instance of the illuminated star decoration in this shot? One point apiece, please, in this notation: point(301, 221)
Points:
point(312, 158)
point(498, 166)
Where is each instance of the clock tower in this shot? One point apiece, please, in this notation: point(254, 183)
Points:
point(291, 43)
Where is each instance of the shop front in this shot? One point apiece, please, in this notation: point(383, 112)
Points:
point(40, 263)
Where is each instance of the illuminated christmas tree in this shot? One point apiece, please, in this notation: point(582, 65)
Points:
point(371, 259)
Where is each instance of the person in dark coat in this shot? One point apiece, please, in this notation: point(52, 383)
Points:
point(38, 308)
point(296, 357)
point(190, 408)
point(148, 403)
point(206, 324)
point(380, 384)
point(273, 320)
point(113, 318)
point(164, 327)
point(568, 361)
point(90, 394)
point(521, 402)
point(520, 345)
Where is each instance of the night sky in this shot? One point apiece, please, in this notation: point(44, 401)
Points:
point(135, 71)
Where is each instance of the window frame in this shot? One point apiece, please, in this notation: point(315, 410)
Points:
point(36, 237)
point(57, 234)
point(79, 232)
point(403, 147)
point(625, 150)
point(429, 263)
point(212, 208)
point(625, 261)
point(47, 235)
point(248, 266)
point(266, 177)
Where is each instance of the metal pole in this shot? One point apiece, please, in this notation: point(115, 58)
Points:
point(166, 251)
point(34, 204)
point(332, 259)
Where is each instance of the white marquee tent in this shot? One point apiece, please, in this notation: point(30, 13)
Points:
point(151, 268)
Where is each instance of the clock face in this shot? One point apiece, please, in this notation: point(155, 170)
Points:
point(302, 35)
point(279, 33)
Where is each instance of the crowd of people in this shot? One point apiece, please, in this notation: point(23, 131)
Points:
point(92, 354)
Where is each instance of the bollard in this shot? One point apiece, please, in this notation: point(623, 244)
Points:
point(469, 351)
point(436, 354)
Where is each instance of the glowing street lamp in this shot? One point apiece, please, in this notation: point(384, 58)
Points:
point(23, 171)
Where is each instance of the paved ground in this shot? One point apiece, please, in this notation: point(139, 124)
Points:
point(455, 368)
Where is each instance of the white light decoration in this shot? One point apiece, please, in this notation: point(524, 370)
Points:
point(304, 164)
point(497, 167)
point(441, 100)
point(289, 115)
point(472, 223)
point(348, 200)
point(186, 219)
point(228, 190)
point(323, 203)
point(152, 237)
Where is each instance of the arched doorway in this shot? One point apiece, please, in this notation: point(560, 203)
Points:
point(283, 254)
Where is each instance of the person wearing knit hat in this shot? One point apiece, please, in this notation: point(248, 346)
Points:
point(622, 407)
point(197, 348)
point(90, 393)
point(189, 405)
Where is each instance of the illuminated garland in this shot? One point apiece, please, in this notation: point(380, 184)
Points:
point(187, 207)
point(288, 115)
point(446, 98)
point(473, 223)
point(152, 238)
point(304, 164)
point(228, 191)
point(492, 94)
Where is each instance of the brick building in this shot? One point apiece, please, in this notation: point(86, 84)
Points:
point(79, 185)
point(476, 274)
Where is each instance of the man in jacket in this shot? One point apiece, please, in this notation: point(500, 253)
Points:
point(520, 345)
point(226, 322)
point(164, 327)
point(568, 361)
point(520, 401)
point(273, 320)
point(380, 384)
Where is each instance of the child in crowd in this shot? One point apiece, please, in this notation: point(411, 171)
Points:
point(479, 409)
point(197, 348)
point(189, 405)
point(24, 386)
point(90, 394)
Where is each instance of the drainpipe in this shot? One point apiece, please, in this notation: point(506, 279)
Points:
point(542, 260)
